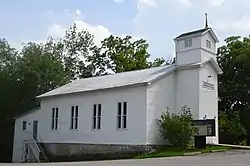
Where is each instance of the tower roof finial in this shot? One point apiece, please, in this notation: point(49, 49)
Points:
point(206, 21)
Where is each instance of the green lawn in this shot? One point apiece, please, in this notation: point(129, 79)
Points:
point(172, 151)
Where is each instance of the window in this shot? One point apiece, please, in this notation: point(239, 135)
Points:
point(74, 118)
point(97, 109)
point(208, 44)
point(24, 125)
point(54, 125)
point(188, 43)
point(122, 115)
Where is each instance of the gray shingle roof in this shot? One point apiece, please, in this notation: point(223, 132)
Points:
point(111, 81)
point(200, 31)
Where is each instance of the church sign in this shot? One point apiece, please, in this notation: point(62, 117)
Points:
point(208, 85)
point(204, 127)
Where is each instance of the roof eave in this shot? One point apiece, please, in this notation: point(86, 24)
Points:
point(94, 90)
point(185, 37)
point(212, 34)
point(163, 75)
point(215, 65)
point(197, 65)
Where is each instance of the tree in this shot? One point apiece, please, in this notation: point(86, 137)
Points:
point(177, 128)
point(8, 87)
point(73, 50)
point(157, 62)
point(39, 71)
point(122, 54)
point(36, 69)
point(231, 130)
point(234, 83)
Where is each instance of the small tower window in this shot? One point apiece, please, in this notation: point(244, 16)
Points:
point(208, 44)
point(188, 43)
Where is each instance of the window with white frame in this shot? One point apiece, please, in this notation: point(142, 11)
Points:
point(54, 125)
point(24, 125)
point(74, 118)
point(97, 109)
point(188, 43)
point(208, 44)
point(122, 115)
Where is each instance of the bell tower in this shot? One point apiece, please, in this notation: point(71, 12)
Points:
point(196, 46)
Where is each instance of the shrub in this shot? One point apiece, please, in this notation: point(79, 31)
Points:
point(177, 128)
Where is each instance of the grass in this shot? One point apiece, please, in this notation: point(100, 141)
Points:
point(172, 151)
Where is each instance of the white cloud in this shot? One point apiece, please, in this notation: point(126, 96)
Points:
point(56, 30)
point(118, 1)
point(186, 2)
point(159, 26)
point(216, 2)
point(240, 25)
point(99, 31)
point(78, 12)
point(150, 3)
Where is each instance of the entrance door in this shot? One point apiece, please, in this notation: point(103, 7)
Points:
point(35, 126)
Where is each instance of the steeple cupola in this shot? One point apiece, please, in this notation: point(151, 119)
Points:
point(196, 46)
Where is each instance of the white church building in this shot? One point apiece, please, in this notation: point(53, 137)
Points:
point(119, 111)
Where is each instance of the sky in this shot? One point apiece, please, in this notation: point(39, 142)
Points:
point(157, 21)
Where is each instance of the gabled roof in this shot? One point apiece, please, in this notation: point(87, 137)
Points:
point(132, 78)
point(199, 32)
point(125, 79)
point(200, 64)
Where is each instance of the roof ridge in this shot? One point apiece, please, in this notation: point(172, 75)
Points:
point(124, 72)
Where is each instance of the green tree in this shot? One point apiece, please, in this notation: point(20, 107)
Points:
point(122, 54)
point(74, 49)
point(177, 128)
point(39, 71)
point(234, 83)
point(231, 129)
point(8, 87)
point(36, 69)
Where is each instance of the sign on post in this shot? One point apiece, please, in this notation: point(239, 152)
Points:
point(204, 127)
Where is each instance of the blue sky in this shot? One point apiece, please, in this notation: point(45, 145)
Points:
point(157, 21)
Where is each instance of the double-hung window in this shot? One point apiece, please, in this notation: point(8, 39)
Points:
point(54, 125)
point(24, 125)
point(208, 44)
point(74, 118)
point(188, 43)
point(97, 109)
point(122, 115)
